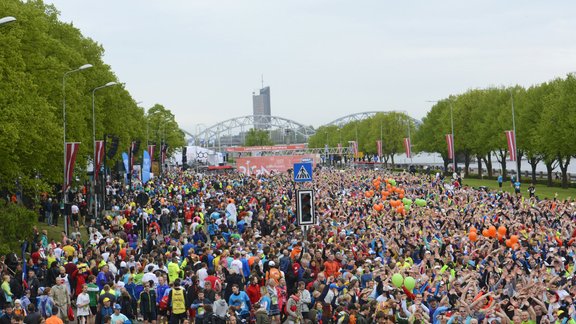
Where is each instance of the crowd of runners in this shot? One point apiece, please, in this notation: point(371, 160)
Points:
point(225, 248)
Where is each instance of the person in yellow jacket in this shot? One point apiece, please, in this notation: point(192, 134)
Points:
point(173, 269)
point(177, 304)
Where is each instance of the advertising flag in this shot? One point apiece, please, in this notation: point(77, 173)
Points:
point(146, 164)
point(98, 157)
point(151, 149)
point(71, 151)
point(408, 147)
point(450, 142)
point(511, 139)
point(379, 148)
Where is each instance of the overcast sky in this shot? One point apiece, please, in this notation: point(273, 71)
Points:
point(323, 59)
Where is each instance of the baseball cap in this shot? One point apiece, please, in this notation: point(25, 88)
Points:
point(117, 306)
point(106, 299)
point(271, 263)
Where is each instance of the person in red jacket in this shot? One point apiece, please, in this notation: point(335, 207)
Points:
point(331, 267)
point(253, 290)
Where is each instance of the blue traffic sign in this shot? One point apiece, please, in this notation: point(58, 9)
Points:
point(302, 172)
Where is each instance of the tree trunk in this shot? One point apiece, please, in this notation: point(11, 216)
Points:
point(488, 162)
point(466, 163)
point(549, 169)
point(519, 164)
point(385, 160)
point(392, 159)
point(446, 162)
point(501, 157)
point(533, 161)
point(479, 160)
point(564, 168)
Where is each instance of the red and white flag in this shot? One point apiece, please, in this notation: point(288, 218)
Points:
point(379, 148)
point(98, 157)
point(71, 151)
point(408, 147)
point(151, 151)
point(511, 138)
point(450, 142)
point(339, 148)
point(355, 148)
point(163, 150)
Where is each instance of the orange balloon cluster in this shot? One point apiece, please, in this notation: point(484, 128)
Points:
point(473, 235)
point(401, 210)
point(396, 203)
point(512, 242)
point(369, 194)
point(378, 207)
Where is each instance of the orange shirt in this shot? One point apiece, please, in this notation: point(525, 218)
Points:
point(54, 320)
point(331, 269)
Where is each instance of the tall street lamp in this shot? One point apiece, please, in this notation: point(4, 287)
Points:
point(6, 20)
point(83, 67)
point(109, 84)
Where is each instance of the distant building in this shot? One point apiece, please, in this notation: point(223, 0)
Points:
point(261, 108)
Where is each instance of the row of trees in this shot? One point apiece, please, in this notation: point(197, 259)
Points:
point(391, 128)
point(36, 51)
point(545, 116)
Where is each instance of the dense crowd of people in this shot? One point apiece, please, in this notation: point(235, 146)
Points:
point(225, 248)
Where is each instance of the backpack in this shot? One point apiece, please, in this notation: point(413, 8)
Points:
point(343, 318)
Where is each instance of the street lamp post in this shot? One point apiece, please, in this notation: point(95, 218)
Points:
point(6, 20)
point(83, 67)
point(109, 84)
point(515, 139)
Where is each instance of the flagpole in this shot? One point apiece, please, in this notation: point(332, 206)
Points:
point(453, 145)
point(515, 139)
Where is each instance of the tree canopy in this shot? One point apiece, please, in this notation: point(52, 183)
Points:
point(545, 117)
point(37, 50)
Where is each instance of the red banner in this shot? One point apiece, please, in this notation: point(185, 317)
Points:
point(71, 151)
point(163, 149)
point(339, 148)
point(511, 139)
point(151, 152)
point(264, 165)
point(379, 148)
point(98, 157)
point(290, 147)
point(450, 142)
point(408, 147)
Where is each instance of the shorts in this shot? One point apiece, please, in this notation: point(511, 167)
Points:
point(75, 217)
point(150, 316)
point(93, 310)
point(274, 310)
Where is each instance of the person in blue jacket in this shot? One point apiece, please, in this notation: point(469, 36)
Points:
point(240, 301)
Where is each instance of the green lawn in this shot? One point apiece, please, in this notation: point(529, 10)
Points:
point(54, 232)
point(542, 191)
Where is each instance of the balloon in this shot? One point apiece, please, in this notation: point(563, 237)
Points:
point(392, 182)
point(514, 238)
point(473, 236)
point(492, 231)
point(500, 237)
point(406, 207)
point(393, 189)
point(409, 283)
point(502, 230)
point(407, 201)
point(509, 243)
point(485, 233)
point(397, 280)
point(401, 196)
point(420, 202)
point(377, 207)
point(473, 229)
point(399, 210)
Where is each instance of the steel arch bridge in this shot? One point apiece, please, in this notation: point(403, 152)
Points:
point(363, 115)
point(280, 129)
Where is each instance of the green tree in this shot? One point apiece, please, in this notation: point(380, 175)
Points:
point(16, 223)
point(257, 137)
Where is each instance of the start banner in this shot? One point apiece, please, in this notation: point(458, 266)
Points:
point(289, 147)
point(257, 165)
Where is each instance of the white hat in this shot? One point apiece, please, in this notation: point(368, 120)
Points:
point(123, 264)
point(271, 263)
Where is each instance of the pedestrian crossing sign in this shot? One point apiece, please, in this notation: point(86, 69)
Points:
point(302, 172)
